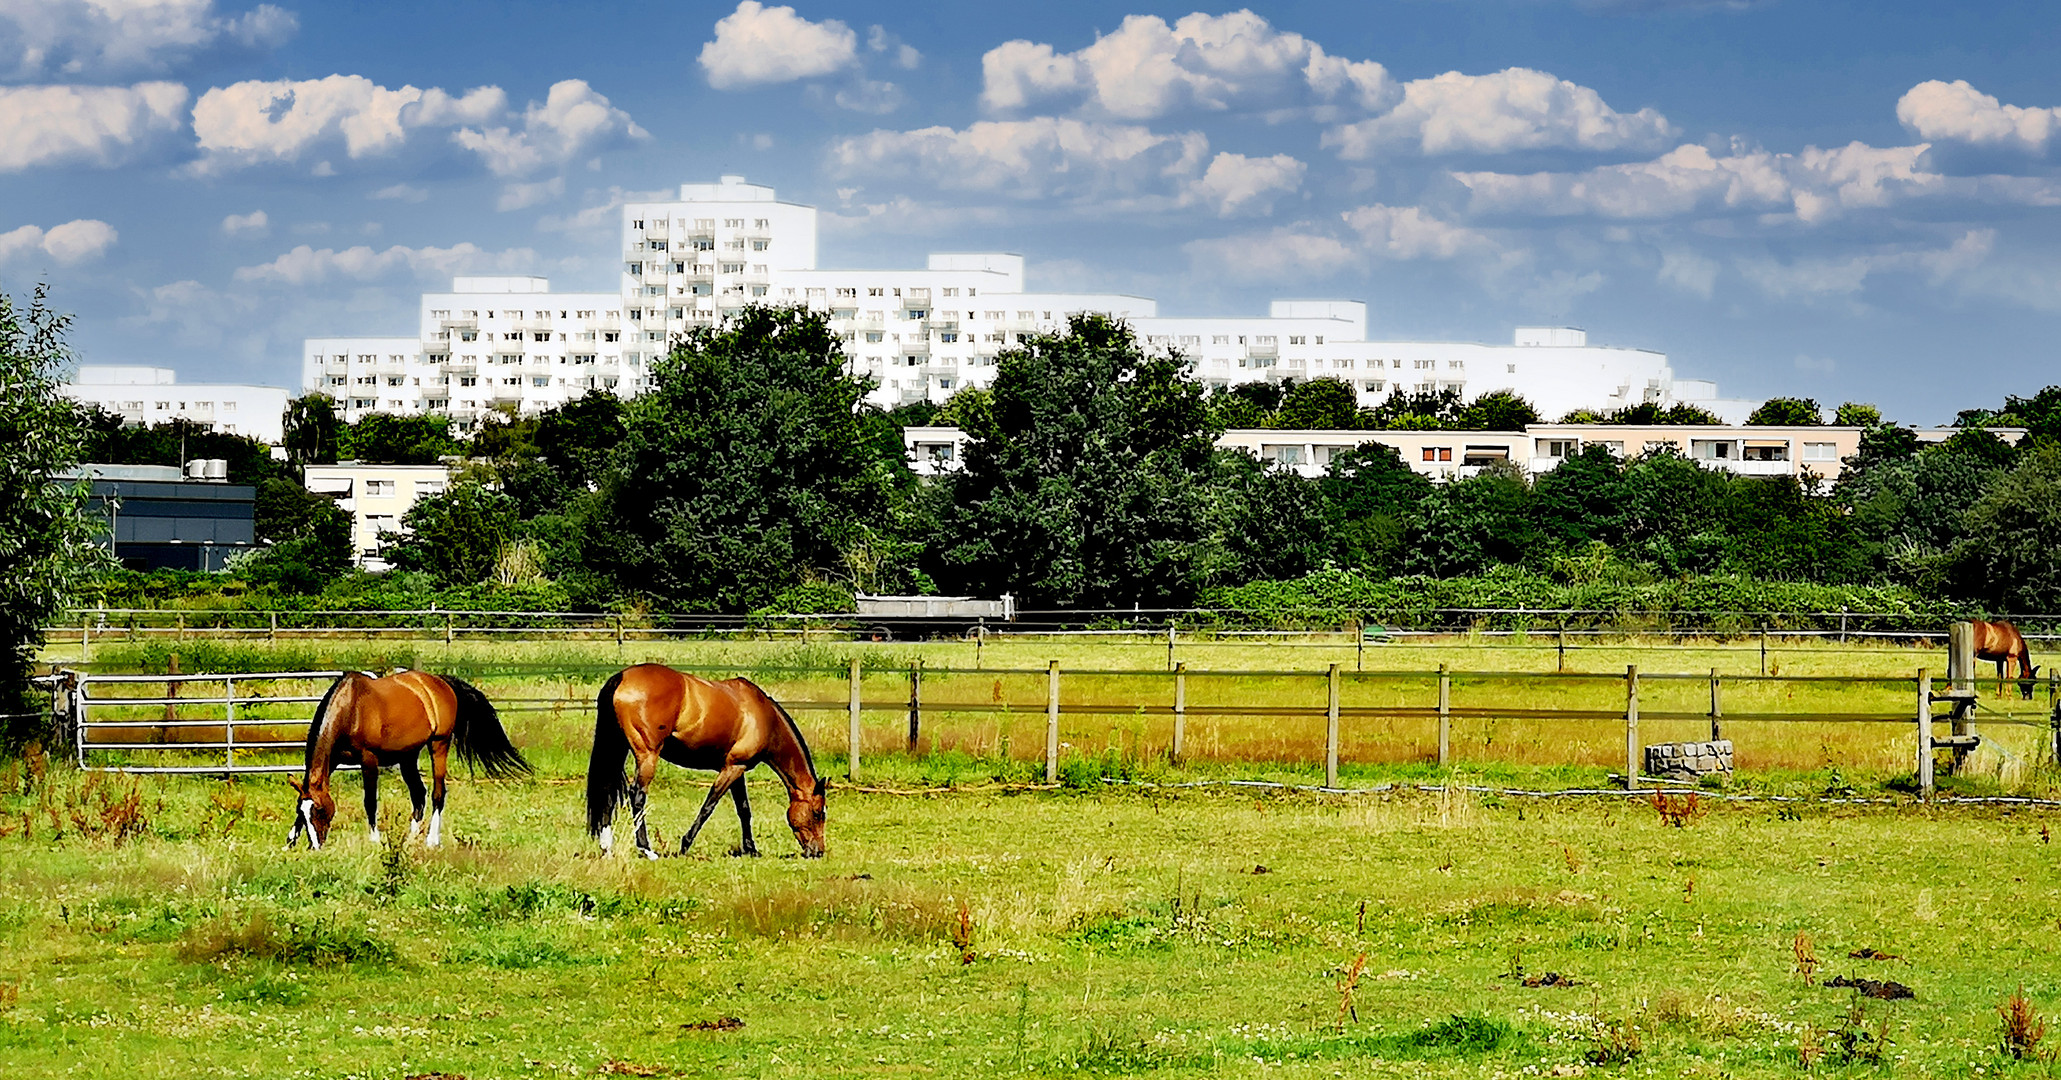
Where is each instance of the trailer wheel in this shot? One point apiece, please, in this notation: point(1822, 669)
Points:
point(880, 633)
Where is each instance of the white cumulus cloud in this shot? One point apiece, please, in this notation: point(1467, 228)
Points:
point(1371, 234)
point(1235, 184)
point(72, 38)
point(1822, 277)
point(1036, 158)
point(1148, 68)
point(1513, 109)
point(756, 45)
point(87, 125)
point(1814, 185)
point(70, 243)
point(1957, 112)
point(280, 122)
point(255, 223)
point(1408, 232)
point(305, 265)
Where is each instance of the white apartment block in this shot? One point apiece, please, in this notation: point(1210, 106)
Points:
point(920, 334)
point(153, 395)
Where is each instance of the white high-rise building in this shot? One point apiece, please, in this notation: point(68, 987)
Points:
point(920, 334)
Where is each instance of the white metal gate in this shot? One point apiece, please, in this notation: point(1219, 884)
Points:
point(251, 723)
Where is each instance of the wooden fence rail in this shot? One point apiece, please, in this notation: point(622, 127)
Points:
point(129, 702)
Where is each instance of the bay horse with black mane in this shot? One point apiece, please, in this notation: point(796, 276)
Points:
point(370, 722)
point(2001, 642)
point(727, 727)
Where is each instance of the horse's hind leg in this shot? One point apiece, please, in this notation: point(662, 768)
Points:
point(439, 764)
point(731, 774)
point(418, 794)
point(743, 802)
point(647, 767)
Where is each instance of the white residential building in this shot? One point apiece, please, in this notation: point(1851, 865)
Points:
point(921, 334)
point(143, 395)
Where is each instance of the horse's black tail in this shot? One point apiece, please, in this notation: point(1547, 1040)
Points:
point(606, 780)
point(478, 737)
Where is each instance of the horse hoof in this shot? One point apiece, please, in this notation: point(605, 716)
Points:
point(648, 853)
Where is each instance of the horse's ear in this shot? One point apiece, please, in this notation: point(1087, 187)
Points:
point(821, 787)
point(297, 788)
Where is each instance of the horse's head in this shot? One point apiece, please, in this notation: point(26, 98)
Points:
point(805, 817)
point(2032, 672)
point(313, 811)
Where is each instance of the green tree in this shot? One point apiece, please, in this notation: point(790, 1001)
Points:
point(1087, 483)
point(313, 433)
point(1787, 412)
point(504, 438)
point(575, 438)
point(2010, 541)
point(1498, 410)
point(743, 470)
point(1370, 494)
point(1883, 444)
point(1855, 414)
point(1911, 511)
point(1246, 405)
point(174, 443)
point(46, 537)
point(1473, 525)
point(309, 538)
point(1673, 518)
point(1319, 403)
point(1581, 500)
point(1979, 444)
point(386, 439)
point(1270, 521)
point(1403, 410)
point(455, 537)
point(1777, 529)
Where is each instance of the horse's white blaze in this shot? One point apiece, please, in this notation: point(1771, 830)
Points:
point(436, 828)
point(607, 839)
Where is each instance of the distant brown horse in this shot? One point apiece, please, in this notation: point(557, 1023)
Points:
point(728, 727)
point(371, 722)
point(2001, 642)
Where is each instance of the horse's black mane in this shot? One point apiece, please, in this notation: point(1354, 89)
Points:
point(799, 738)
point(315, 725)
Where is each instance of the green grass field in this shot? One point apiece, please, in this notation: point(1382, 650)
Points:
point(968, 922)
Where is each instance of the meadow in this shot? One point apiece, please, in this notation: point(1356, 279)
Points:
point(972, 921)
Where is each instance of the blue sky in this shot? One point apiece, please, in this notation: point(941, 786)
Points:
point(1852, 201)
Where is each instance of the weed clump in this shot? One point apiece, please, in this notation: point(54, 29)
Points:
point(2022, 1026)
point(319, 943)
point(1458, 1036)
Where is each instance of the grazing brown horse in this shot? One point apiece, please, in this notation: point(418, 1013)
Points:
point(726, 726)
point(2001, 642)
point(371, 722)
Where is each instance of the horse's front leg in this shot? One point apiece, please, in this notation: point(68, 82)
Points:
point(368, 766)
point(743, 802)
point(729, 775)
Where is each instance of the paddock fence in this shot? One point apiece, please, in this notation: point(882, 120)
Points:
point(1305, 719)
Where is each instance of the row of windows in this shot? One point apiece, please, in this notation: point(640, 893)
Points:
point(699, 223)
point(517, 313)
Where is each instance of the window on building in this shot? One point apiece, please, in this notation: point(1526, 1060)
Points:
point(1438, 453)
point(1820, 451)
point(379, 488)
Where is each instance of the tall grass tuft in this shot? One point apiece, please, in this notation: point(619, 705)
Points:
point(2022, 1026)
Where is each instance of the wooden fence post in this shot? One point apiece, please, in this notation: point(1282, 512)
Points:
point(1562, 666)
point(447, 628)
point(272, 631)
point(2055, 722)
point(915, 704)
point(1717, 707)
point(1179, 710)
point(1924, 734)
point(1445, 716)
point(1170, 645)
point(1331, 733)
point(85, 637)
point(1631, 727)
point(1052, 722)
point(1359, 645)
point(852, 745)
point(1764, 648)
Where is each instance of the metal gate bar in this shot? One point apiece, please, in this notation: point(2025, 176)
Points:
point(83, 725)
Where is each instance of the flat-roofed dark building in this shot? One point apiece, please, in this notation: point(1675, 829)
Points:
point(160, 520)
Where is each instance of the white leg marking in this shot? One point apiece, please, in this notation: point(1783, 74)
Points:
point(436, 828)
point(414, 827)
point(648, 853)
point(375, 836)
point(607, 839)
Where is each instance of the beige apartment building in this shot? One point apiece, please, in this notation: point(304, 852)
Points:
point(376, 496)
point(1445, 455)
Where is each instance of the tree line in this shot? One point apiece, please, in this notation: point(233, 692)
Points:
point(752, 477)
